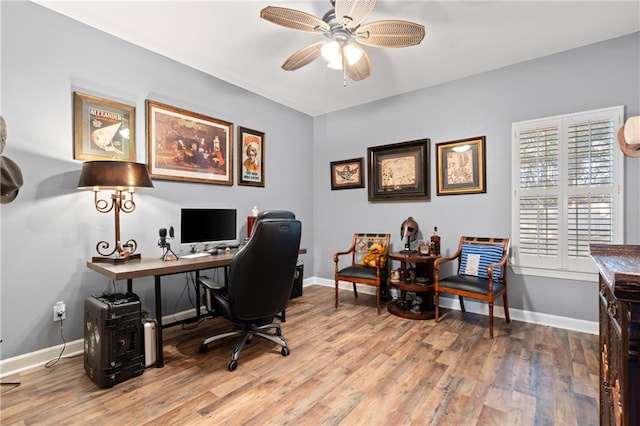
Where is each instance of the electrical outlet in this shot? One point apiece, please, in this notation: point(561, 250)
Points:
point(59, 311)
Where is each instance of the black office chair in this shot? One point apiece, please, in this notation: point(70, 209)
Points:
point(259, 284)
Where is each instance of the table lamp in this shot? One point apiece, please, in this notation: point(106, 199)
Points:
point(122, 177)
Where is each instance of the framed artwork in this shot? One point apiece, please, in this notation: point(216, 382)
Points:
point(103, 129)
point(460, 166)
point(186, 146)
point(347, 174)
point(250, 157)
point(399, 171)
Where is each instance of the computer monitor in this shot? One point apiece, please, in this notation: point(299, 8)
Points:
point(207, 225)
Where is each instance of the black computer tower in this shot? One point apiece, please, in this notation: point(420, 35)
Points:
point(113, 338)
point(296, 290)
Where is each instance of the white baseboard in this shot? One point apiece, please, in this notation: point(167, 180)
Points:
point(477, 307)
point(41, 357)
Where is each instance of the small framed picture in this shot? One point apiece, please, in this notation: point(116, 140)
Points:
point(347, 174)
point(460, 166)
point(399, 171)
point(187, 146)
point(250, 157)
point(103, 129)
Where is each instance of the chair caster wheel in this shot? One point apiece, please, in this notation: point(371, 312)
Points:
point(202, 349)
point(232, 365)
point(285, 351)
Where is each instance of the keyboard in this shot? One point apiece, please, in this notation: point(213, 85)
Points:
point(195, 255)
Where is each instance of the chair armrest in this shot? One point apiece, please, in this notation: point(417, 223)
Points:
point(500, 264)
point(438, 261)
point(337, 254)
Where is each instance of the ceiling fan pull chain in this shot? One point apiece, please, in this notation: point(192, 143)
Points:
point(344, 70)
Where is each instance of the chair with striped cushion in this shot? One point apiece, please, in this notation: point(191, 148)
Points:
point(481, 274)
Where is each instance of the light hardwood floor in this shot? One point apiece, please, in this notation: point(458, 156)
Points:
point(348, 366)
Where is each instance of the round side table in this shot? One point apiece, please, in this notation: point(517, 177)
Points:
point(400, 307)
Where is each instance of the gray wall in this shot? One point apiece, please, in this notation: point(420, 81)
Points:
point(596, 76)
point(50, 231)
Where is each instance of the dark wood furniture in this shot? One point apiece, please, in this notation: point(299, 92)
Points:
point(407, 283)
point(619, 294)
point(375, 274)
point(481, 274)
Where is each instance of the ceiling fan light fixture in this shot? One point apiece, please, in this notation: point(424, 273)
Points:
point(335, 63)
point(331, 51)
point(352, 53)
point(343, 26)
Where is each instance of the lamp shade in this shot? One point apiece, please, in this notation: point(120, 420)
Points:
point(118, 175)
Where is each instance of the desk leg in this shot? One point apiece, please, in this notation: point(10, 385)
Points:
point(129, 285)
point(198, 301)
point(159, 343)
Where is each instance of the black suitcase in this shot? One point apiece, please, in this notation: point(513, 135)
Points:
point(113, 338)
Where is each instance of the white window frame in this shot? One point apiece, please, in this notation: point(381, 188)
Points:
point(562, 266)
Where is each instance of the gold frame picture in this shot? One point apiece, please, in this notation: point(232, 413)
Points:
point(103, 129)
point(187, 146)
point(461, 166)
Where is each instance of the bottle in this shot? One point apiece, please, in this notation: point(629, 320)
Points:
point(435, 242)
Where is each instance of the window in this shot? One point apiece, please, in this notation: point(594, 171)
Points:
point(568, 192)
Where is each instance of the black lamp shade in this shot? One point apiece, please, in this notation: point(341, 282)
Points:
point(117, 175)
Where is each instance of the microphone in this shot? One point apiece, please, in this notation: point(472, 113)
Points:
point(163, 237)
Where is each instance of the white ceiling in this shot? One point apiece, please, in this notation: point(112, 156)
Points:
point(229, 40)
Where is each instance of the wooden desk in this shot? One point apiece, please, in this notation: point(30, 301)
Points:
point(157, 268)
point(147, 267)
point(406, 284)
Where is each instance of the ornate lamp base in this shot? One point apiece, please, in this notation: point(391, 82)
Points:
point(115, 260)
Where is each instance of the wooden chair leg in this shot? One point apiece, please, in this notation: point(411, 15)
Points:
point(491, 320)
point(436, 299)
point(378, 299)
point(336, 293)
point(355, 292)
point(505, 303)
point(461, 304)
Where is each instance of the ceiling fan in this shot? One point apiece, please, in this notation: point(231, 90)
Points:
point(343, 27)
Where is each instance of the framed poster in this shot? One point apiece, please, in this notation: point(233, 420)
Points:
point(103, 129)
point(399, 171)
point(250, 157)
point(460, 166)
point(347, 174)
point(187, 146)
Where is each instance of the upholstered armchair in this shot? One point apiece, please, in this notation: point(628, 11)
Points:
point(481, 274)
point(368, 263)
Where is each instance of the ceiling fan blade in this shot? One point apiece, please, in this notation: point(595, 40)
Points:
point(351, 13)
point(361, 69)
point(295, 19)
point(390, 33)
point(303, 56)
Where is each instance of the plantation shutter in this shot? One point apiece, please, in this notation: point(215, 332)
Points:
point(590, 184)
point(567, 183)
point(539, 180)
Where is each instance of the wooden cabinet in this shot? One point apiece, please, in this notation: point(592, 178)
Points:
point(619, 301)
